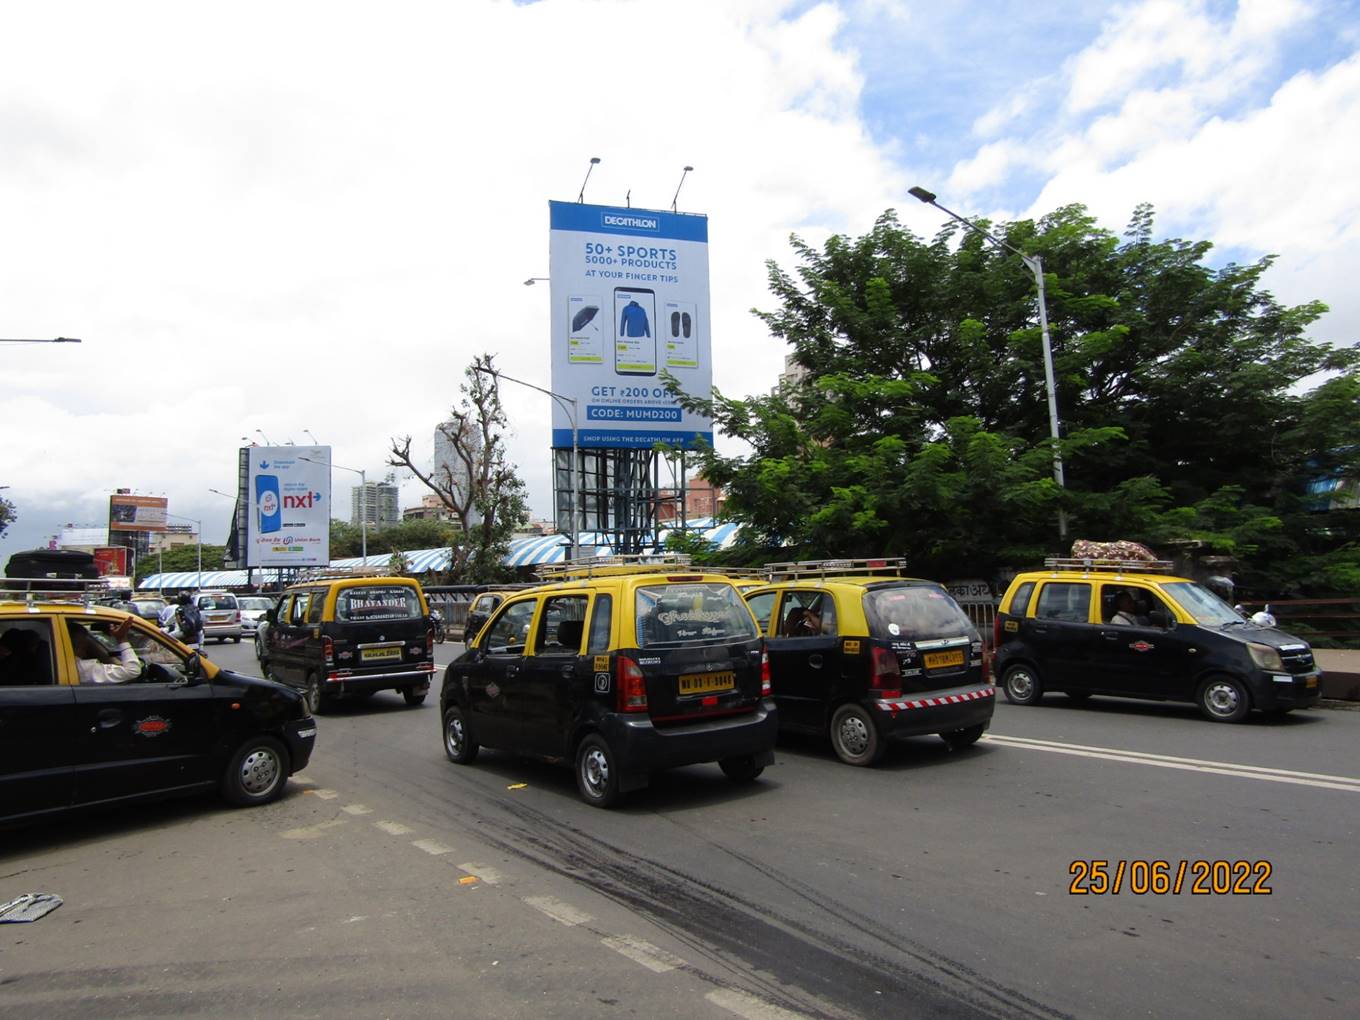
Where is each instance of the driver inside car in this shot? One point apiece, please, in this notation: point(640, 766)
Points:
point(95, 665)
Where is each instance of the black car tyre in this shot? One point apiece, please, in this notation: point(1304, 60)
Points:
point(959, 739)
point(741, 768)
point(256, 773)
point(1223, 699)
point(236, 640)
point(459, 747)
point(854, 737)
point(1022, 686)
point(312, 694)
point(412, 698)
point(597, 775)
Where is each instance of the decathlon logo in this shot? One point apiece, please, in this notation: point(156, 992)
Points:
point(631, 222)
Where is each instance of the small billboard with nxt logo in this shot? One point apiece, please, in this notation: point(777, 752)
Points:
point(288, 500)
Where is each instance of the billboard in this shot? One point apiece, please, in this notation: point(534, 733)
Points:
point(288, 506)
point(112, 560)
point(137, 513)
point(629, 301)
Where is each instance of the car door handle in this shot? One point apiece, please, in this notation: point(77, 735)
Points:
point(108, 719)
point(1108, 636)
point(567, 671)
point(815, 660)
point(511, 670)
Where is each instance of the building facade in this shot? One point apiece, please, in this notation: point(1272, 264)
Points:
point(376, 501)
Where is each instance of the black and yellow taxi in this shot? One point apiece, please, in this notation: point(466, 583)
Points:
point(623, 669)
point(350, 636)
point(864, 654)
point(98, 707)
point(1135, 630)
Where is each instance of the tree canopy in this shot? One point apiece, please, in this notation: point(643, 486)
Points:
point(919, 426)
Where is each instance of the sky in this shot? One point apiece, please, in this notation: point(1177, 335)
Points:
point(307, 218)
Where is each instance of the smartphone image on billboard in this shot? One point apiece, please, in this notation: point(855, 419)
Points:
point(268, 508)
point(680, 334)
point(635, 326)
point(585, 329)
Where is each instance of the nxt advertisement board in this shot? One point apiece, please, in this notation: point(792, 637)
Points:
point(288, 506)
point(629, 301)
point(137, 513)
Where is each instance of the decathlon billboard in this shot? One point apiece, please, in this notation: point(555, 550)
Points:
point(629, 301)
point(288, 506)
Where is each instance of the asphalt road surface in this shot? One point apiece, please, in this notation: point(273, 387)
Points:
point(389, 882)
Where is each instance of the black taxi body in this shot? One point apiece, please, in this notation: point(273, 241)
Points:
point(173, 722)
point(349, 637)
point(620, 671)
point(1132, 630)
point(863, 655)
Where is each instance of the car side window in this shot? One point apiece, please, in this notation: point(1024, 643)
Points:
point(762, 606)
point(1064, 601)
point(1141, 608)
point(805, 614)
point(26, 653)
point(1020, 603)
point(314, 607)
point(283, 609)
point(600, 620)
point(297, 616)
point(508, 633)
point(561, 626)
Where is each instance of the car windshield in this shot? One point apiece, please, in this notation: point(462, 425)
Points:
point(217, 602)
point(675, 614)
point(1206, 607)
point(915, 612)
point(255, 605)
point(394, 602)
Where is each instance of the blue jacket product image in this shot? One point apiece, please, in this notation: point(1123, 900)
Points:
point(268, 511)
point(633, 321)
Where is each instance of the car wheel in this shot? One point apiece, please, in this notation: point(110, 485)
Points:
point(256, 773)
point(1022, 686)
point(236, 640)
point(1223, 699)
point(854, 737)
point(459, 747)
point(741, 769)
point(597, 777)
point(312, 694)
point(412, 698)
point(967, 737)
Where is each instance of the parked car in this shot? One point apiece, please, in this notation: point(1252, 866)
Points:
point(149, 608)
point(863, 655)
point(349, 637)
point(252, 609)
point(1135, 630)
point(621, 671)
point(183, 725)
point(221, 615)
point(480, 611)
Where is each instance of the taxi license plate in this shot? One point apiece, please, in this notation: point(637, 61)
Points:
point(935, 660)
point(1311, 682)
point(380, 654)
point(706, 683)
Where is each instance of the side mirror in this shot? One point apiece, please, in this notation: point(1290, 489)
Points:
point(271, 615)
point(193, 668)
point(1160, 618)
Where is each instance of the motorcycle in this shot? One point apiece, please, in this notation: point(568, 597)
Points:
point(437, 621)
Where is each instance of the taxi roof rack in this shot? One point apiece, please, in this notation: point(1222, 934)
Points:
point(338, 574)
point(618, 563)
point(891, 565)
point(83, 590)
point(1090, 563)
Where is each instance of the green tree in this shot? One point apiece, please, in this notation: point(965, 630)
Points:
point(7, 515)
point(481, 488)
point(920, 426)
point(180, 558)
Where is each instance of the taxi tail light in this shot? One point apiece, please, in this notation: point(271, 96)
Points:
point(328, 650)
point(996, 631)
point(237, 614)
point(765, 689)
point(987, 665)
point(885, 679)
point(631, 686)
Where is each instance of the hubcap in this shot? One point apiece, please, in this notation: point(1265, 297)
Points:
point(1222, 699)
point(1022, 684)
point(313, 696)
point(854, 735)
point(259, 771)
point(453, 735)
point(595, 770)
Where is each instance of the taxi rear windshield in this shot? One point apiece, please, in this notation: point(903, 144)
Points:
point(676, 614)
point(360, 605)
point(917, 612)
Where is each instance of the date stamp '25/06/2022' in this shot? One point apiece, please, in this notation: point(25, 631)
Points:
point(1156, 877)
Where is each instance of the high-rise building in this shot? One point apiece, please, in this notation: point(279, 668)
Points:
point(450, 468)
point(378, 501)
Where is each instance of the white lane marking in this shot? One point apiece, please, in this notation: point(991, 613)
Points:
point(394, 828)
point(324, 794)
point(312, 831)
point(488, 875)
point(357, 809)
point(654, 958)
point(1320, 780)
point(431, 847)
point(558, 911)
point(749, 1006)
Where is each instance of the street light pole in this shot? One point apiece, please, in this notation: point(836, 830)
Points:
point(569, 405)
point(363, 501)
point(199, 525)
point(56, 340)
point(1036, 266)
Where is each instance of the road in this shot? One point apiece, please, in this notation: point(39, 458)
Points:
point(389, 882)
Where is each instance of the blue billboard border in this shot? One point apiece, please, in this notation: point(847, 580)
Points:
point(631, 222)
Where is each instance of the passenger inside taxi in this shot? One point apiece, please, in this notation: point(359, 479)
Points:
point(95, 664)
